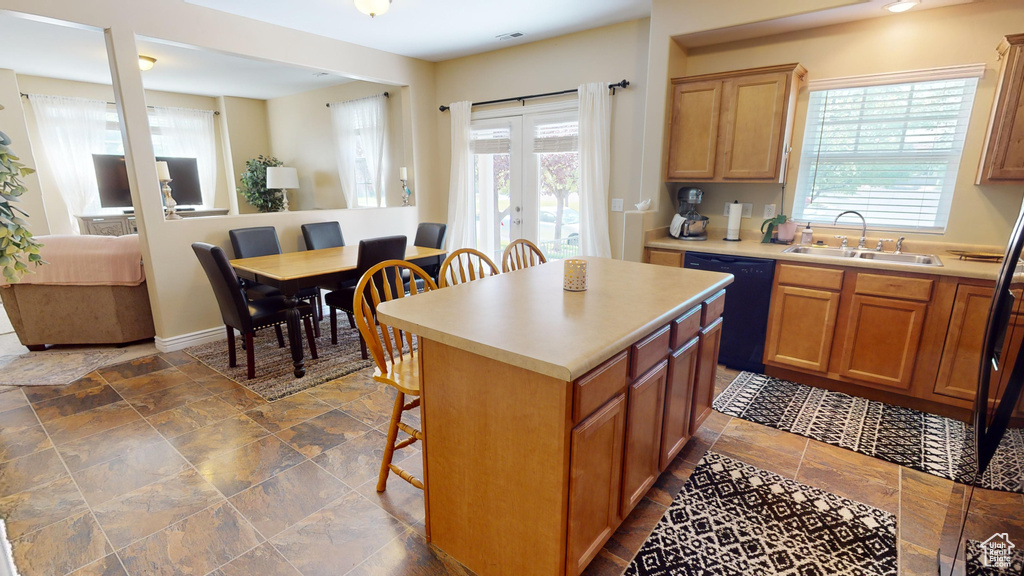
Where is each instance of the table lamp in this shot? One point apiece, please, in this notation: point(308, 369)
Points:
point(163, 174)
point(282, 178)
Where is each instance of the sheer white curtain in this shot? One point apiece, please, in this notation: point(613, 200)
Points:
point(187, 133)
point(71, 131)
point(359, 128)
point(595, 144)
point(461, 219)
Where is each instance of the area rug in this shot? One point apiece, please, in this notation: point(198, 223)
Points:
point(731, 518)
point(997, 556)
point(52, 367)
point(934, 444)
point(274, 372)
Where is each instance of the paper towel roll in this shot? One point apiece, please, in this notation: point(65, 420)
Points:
point(735, 213)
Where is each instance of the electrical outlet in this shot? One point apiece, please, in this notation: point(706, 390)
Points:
point(616, 204)
point(748, 209)
point(769, 211)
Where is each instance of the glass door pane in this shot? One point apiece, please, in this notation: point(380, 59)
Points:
point(496, 183)
point(551, 194)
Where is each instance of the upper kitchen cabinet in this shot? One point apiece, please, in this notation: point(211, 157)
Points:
point(1003, 157)
point(732, 126)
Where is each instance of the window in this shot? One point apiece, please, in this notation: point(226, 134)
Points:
point(359, 133)
point(889, 150)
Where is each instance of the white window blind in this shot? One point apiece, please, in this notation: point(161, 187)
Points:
point(556, 137)
point(891, 152)
point(490, 140)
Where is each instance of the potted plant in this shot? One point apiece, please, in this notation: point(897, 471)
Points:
point(254, 184)
point(17, 247)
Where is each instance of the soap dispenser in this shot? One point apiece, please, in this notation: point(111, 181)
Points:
point(807, 235)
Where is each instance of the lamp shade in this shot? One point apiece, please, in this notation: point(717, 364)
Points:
point(162, 172)
point(281, 177)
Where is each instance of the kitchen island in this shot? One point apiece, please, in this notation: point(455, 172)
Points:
point(548, 414)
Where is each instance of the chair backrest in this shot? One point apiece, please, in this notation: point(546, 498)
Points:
point(430, 235)
point(521, 254)
point(373, 251)
point(230, 298)
point(385, 342)
point(465, 265)
point(256, 241)
point(319, 235)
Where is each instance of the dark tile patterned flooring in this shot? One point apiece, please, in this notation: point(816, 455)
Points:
point(162, 466)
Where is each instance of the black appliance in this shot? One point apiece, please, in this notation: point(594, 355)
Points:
point(745, 319)
point(112, 180)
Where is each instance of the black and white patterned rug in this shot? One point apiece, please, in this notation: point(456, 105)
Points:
point(926, 442)
point(734, 519)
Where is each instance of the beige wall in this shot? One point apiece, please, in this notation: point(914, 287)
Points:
point(606, 54)
point(965, 34)
point(302, 136)
point(12, 123)
point(245, 121)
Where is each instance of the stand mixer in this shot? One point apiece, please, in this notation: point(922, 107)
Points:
point(691, 224)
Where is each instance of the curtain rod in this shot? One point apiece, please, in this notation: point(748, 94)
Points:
point(620, 84)
point(386, 95)
point(215, 112)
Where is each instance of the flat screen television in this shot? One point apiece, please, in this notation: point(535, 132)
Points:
point(112, 180)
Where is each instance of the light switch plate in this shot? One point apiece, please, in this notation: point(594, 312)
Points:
point(748, 208)
point(769, 211)
point(616, 204)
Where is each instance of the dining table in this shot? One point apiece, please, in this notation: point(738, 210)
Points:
point(293, 271)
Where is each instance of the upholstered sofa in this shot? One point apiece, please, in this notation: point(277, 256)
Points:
point(91, 291)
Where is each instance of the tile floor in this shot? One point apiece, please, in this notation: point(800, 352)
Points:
point(161, 466)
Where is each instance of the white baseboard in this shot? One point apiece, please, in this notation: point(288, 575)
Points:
point(175, 343)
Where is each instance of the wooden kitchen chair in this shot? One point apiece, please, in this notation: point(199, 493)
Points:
point(465, 265)
point(395, 367)
point(521, 254)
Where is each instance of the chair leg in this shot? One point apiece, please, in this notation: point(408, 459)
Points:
point(232, 360)
point(334, 325)
point(309, 336)
point(351, 319)
point(250, 356)
point(362, 346)
point(280, 335)
point(389, 448)
point(319, 313)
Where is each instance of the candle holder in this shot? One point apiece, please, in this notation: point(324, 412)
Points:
point(406, 194)
point(574, 275)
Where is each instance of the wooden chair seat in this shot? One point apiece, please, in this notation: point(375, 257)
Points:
point(404, 376)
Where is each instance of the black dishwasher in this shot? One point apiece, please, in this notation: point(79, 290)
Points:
point(745, 320)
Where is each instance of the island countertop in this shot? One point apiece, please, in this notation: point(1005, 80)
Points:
point(526, 319)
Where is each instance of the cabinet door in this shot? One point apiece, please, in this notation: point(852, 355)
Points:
point(644, 410)
point(693, 134)
point(665, 258)
point(881, 340)
point(801, 326)
point(753, 110)
point(961, 353)
point(707, 369)
point(675, 429)
point(1004, 155)
point(594, 483)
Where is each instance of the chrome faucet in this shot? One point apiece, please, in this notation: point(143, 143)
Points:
point(899, 245)
point(845, 243)
point(881, 244)
point(863, 230)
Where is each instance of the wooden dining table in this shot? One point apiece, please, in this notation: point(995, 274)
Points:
point(293, 271)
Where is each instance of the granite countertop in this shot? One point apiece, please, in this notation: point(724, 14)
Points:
point(526, 319)
point(751, 246)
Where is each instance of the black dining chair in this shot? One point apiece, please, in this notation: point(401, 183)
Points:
point(371, 252)
point(320, 235)
point(430, 235)
point(240, 313)
point(262, 241)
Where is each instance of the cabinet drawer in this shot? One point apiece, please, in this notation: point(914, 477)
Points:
point(649, 351)
point(712, 308)
point(685, 327)
point(918, 289)
point(665, 258)
point(810, 277)
point(598, 385)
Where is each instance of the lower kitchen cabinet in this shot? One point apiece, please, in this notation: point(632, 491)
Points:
point(801, 325)
point(595, 482)
point(881, 340)
point(961, 352)
point(707, 369)
point(675, 427)
point(645, 409)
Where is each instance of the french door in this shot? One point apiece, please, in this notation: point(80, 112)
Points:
point(526, 180)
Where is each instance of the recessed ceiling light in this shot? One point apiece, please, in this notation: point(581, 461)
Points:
point(146, 63)
point(901, 5)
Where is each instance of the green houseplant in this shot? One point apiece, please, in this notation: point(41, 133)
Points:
point(254, 184)
point(17, 247)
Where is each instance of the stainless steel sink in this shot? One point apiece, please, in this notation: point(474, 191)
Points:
point(845, 253)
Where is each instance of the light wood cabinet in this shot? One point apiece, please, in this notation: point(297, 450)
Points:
point(802, 317)
point(707, 369)
point(881, 340)
point(1003, 157)
point(732, 126)
point(641, 463)
point(675, 427)
point(595, 481)
point(665, 258)
point(961, 351)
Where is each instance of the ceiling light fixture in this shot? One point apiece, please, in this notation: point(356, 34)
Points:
point(901, 5)
point(146, 63)
point(373, 7)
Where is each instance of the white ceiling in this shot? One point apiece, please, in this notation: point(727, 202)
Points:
point(51, 50)
point(438, 30)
